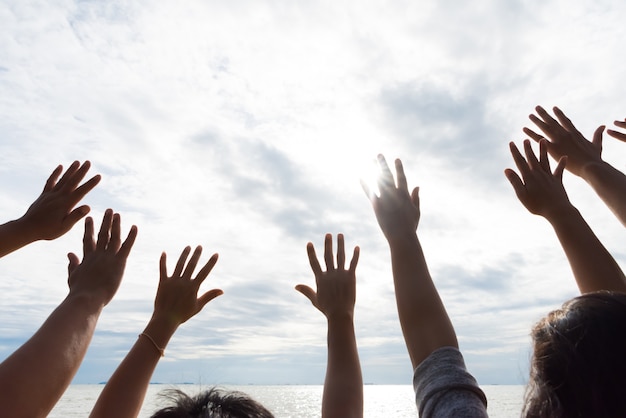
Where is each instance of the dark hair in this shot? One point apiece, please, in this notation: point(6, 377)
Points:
point(212, 403)
point(578, 368)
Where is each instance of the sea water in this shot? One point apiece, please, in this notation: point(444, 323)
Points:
point(295, 401)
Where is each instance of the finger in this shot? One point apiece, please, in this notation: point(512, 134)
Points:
point(88, 243)
point(206, 269)
point(85, 188)
point(564, 120)
point(367, 190)
point(355, 259)
point(72, 181)
point(530, 156)
point(116, 232)
point(328, 252)
point(181, 262)
point(208, 297)
point(415, 197)
point(620, 123)
point(516, 182)
point(544, 162)
point(341, 254)
point(533, 135)
point(128, 242)
point(597, 137)
point(163, 266)
point(558, 171)
point(315, 264)
point(617, 135)
point(105, 228)
point(73, 262)
point(402, 184)
point(308, 292)
point(548, 120)
point(519, 160)
point(75, 216)
point(53, 178)
point(385, 179)
point(193, 262)
point(68, 173)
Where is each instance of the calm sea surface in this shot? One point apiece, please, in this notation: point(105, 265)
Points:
point(299, 401)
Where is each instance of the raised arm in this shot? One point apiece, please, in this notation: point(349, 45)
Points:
point(542, 193)
point(583, 157)
point(176, 301)
point(617, 134)
point(423, 318)
point(35, 376)
point(53, 213)
point(335, 298)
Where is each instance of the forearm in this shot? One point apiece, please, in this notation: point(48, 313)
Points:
point(35, 376)
point(423, 317)
point(610, 185)
point(343, 387)
point(593, 266)
point(13, 236)
point(125, 391)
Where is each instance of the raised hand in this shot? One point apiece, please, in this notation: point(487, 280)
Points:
point(396, 210)
point(335, 298)
point(539, 190)
point(101, 270)
point(176, 301)
point(53, 354)
point(565, 140)
point(336, 287)
point(177, 296)
point(617, 134)
point(53, 213)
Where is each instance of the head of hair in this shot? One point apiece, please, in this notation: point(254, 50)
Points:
point(212, 403)
point(578, 367)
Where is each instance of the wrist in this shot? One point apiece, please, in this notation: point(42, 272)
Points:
point(85, 302)
point(594, 169)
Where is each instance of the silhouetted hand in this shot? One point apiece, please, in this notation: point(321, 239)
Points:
point(397, 211)
point(177, 296)
point(53, 213)
point(539, 190)
point(336, 287)
point(565, 140)
point(100, 273)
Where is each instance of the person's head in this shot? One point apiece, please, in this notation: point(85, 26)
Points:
point(212, 403)
point(578, 367)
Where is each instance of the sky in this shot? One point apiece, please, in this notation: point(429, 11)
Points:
point(245, 127)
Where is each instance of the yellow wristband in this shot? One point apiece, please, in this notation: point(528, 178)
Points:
point(159, 349)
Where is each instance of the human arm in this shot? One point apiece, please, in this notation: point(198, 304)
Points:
point(423, 317)
point(584, 158)
point(176, 301)
point(542, 193)
point(617, 134)
point(35, 376)
point(53, 213)
point(335, 298)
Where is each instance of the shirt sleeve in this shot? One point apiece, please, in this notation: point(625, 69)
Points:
point(444, 387)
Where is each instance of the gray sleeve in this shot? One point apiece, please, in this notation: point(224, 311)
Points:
point(444, 387)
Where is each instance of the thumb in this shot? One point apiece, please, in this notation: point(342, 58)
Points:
point(73, 262)
point(209, 296)
point(308, 292)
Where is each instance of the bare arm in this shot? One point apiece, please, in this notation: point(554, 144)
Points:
point(335, 298)
point(53, 213)
point(583, 157)
point(542, 193)
point(176, 301)
point(53, 354)
point(423, 317)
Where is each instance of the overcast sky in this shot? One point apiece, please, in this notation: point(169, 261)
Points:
point(245, 127)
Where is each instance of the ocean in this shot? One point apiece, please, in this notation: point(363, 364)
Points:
point(505, 401)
